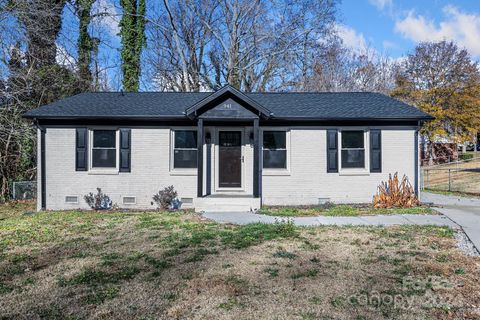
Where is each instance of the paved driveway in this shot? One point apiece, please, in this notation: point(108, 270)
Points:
point(464, 211)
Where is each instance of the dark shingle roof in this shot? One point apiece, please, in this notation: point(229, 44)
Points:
point(321, 106)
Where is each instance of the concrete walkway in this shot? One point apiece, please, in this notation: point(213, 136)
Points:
point(457, 212)
point(464, 211)
point(446, 200)
point(380, 220)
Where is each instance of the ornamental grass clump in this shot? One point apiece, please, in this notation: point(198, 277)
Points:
point(395, 194)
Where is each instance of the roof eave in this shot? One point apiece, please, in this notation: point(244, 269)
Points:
point(184, 117)
point(105, 117)
point(425, 118)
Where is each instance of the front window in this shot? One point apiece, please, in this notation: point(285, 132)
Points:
point(353, 149)
point(104, 149)
point(185, 149)
point(275, 149)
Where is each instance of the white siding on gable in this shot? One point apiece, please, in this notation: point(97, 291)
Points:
point(308, 180)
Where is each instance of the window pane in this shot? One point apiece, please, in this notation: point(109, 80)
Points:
point(104, 139)
point(274, 139)
point(276, 159)
point(186, 139)
point(230, 139)
point(352, 139)
point(353, 158)
point(104, 158)
point(185, 159)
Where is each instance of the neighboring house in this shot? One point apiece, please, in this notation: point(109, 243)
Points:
point(225, 150)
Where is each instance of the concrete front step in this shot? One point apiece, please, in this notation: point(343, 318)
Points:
point(226, 203)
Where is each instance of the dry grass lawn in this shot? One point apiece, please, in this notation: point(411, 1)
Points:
point(79, 265)
point(464, 176)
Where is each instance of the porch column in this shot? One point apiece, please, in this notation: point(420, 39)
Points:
point(200, 140)
point(208, 165)
point(257, 168)
point(42, 167)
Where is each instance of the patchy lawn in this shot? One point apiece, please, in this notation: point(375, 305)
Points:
point(340, 210)
point(80, 265)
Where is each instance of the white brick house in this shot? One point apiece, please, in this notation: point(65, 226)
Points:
point(225, 150)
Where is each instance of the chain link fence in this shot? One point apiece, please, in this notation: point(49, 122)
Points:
point(24, 190)
point(459, 176)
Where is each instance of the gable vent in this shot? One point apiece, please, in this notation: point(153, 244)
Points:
point(129, 200)
point(71, 199)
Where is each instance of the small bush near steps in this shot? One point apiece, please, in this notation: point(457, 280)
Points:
point(99, 201)
point(167, 198)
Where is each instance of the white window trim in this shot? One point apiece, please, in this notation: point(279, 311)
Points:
point(100, 170)
point(277, 171)
point(180, 171)
point(355, 171)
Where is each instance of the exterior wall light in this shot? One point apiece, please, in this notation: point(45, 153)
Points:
point(208, 137)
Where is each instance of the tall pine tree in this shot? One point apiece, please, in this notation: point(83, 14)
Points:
point(132, 33)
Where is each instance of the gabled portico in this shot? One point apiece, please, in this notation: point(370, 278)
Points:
point(228, 122)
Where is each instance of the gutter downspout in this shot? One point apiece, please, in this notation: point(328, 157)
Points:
point(417, 163)
point(43, 192)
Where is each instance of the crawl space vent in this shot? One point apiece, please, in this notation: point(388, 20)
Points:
point(186, 200)
point(71, 199)
point(129, 200)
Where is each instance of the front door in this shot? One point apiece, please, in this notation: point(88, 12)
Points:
point(230, 159)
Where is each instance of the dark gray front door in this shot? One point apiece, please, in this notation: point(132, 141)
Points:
point(230, 159)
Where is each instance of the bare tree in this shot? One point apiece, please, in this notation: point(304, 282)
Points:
point(338, 68)
point(42, 22)
point(30, 77)
point(17, 139)
point(204, 44)
point(179, 39)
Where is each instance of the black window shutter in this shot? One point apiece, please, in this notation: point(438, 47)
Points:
point(81, 151)
point(125, 146)
point(375, 150)
point(332, 151)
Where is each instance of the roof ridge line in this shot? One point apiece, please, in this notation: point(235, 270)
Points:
point(313, 92)
point(256, 92)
